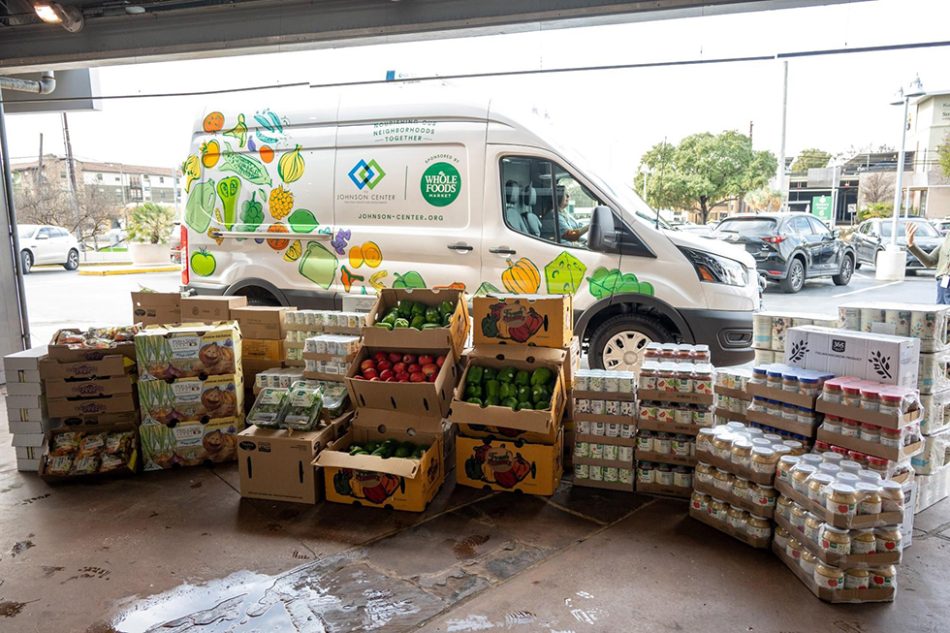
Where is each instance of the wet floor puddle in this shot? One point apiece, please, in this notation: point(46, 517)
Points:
point(340, 593)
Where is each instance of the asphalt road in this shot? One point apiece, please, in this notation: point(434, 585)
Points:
point(57, 298)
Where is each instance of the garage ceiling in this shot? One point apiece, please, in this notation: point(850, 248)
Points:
point(120, 31)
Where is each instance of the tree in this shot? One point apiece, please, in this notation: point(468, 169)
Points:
point(943, 156)
point(877, 187)
point(150, 223)
point(704, 171)
point(764, 200)
point(811, 158)
point(85, 215)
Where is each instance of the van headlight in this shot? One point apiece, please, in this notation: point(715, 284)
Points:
point(716, 269)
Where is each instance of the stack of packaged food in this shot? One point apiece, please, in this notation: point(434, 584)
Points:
point(511, 398)
point(191, 390)
point(769, 329)
point(838, 527)
point(605, 429)
point(784, 400)
point(303, 324)
point(733, 484)
point(401, 383)
point(263, 329)
point(328, 356)
point(675, 401)
point(732, 397)
point(930, 324)
point(26, 406)
point(89, 382)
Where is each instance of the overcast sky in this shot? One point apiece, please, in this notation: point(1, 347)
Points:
point(834, 101)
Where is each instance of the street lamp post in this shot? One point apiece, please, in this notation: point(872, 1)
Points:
point(891, 261)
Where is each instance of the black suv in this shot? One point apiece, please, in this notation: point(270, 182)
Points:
point(790, 247)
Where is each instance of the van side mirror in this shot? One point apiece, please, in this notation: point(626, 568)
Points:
point(603, 232)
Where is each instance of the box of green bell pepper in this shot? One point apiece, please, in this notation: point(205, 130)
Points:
point(511, 391)
point(418, 317)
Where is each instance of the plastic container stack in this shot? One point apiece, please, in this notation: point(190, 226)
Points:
point(605, 429)
point(303, 324)
point(732, 398)
point(784, 400)
point(769, 328)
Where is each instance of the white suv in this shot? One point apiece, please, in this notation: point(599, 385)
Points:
point(44, 244)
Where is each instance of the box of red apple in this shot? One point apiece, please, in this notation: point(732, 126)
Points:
point(408, 380)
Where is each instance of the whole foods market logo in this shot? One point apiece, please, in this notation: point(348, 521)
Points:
point(366, 175)
point(441, 184)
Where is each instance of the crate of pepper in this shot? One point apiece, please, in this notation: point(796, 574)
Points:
point(418, 317)
point(512, 389)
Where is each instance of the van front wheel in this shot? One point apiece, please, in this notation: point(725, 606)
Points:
point(620, 341)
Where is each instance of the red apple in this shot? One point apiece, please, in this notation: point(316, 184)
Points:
point(402, 377)
point(417, 377)
point(380, 357)
point(358, 377)
point(374, 379)
point(390, 379)
point(432, 377)
point(369, 373)
point(399, 367)
point(413, 368)
point(386, 374)
point(369, 363)
point(430, 370)
point(409, 358)
point(395, 357)
point(384, 364)
point(440, 360)
point(425, 359)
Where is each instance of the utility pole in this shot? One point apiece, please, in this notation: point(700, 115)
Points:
point(69, 155)
point(780, 171)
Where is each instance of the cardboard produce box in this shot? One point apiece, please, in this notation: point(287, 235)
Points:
point(105, 367)
point(506, 465)
point(430, 400)
point(271, 350)
point(189, 443)
point(542, 423)
point(452, 336)
point(262, 322)
point(68, 407)
point(209, 309)
point(191, 399)
point(71, 353)
point(892, 360)
point(396, 482)
point(277, 464)
point(95, 388)
point(99, 452)
point(96, 419)
point(540, 320)
point(188, 351)
point(156, 308)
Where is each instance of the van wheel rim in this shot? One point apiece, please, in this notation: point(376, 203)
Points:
point(624, 350)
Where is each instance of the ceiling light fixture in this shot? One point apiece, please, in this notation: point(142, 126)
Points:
point(54, 13)
point(135, 9)
point(46, 12)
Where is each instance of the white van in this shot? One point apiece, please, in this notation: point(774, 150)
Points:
point(356, 194)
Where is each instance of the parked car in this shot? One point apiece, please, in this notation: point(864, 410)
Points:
point(873, 235)
point(789, 248)
point(44, 244)
point(942, 226)
point(407, 189)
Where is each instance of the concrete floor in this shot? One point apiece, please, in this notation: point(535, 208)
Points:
point(181, 552)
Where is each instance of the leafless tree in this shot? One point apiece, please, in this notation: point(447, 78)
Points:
point(877, 187)
point(85, 215)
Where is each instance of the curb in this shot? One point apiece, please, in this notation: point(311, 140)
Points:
point(131, 271)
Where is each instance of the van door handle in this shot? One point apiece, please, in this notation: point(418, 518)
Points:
point(502, 250)
point(461, 247)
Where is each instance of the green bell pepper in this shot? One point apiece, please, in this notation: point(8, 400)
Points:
point(541, 376)
point(474, 400)
point(540, 393)
point(473, 390)
point(507, 390)
point(490, 373)
point(511, 403)
point(492, 388)
point(432, 326)
point(385, 326)
point(474, 376)
point(401, 323)
point(405, 308)
point(417, 322)
point(432, 316)
point(522, 377)
point(507, 374)
point(524, 404)
point(418, 309)
point(524, 392)
point(446, 308)
point(492, 401)
point(389, 318)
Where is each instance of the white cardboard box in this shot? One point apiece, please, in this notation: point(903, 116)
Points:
point(35, 401)
point(18, 428)
point(935, 456)
point(28, 439)
point(24, 389)
point(26, 415)
point(24, 376)
point(888, 359)
point(28, 452)
point(932, 488)
point(27, 360)
point(28, 465)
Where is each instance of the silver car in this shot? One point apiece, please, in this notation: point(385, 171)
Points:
point(45, 244)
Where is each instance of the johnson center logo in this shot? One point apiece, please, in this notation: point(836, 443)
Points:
point(366, 175)
point(441, 184)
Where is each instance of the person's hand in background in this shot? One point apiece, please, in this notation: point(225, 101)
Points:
point(911, 231)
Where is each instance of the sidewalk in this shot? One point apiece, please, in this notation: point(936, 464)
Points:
point(126, 268)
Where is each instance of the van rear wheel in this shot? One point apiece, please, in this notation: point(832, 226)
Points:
point(620, 342)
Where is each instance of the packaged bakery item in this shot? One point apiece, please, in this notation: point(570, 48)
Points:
point(304, 401)
point(65, 443)
point(269, 407)
point(85, 465)
point(91, 444)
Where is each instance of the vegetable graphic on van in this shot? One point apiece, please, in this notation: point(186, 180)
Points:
point(411, 279)
point(200, 206)
point(245, 166)
point(604, 283)
point(564, 275)
point(318, 265)
point(521, 277)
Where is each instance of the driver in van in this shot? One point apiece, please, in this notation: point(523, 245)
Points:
point(571, 228)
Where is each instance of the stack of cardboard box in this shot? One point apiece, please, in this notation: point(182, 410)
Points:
point(769, 329)
point(26, 405)
point(931, 325)
point(263, 329)
point(156, 308)
point(505, 448)
point(206, 309)
point(405, 416)
point(192, 393)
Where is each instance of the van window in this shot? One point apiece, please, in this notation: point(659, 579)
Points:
point(542, 199)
